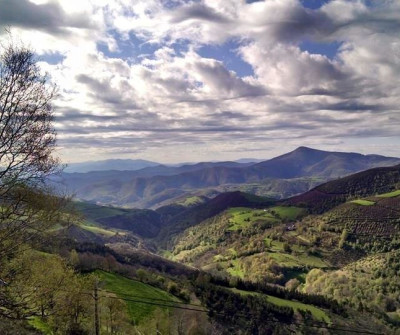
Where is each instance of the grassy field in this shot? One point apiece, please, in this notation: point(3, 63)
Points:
point(242, 217)
point(389, 195)
point(290, 213)
point(317, 313)
point(288, 260)
point(277, 246)
point(191, 201)
point(122, 286)
point(363, 202)
point(99, 231)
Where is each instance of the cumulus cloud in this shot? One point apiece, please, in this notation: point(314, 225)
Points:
point(49, 17)
point(116, 101)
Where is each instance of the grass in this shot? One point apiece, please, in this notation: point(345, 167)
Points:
point(289, 213)
point(389, 195)
point(277, 246)
point(99, 231)
point(363, 202)
point(122, 286)
point(191, 201)
point(288, 260)
point(298, 258)
point(317, 313)
point(242, 217)
point(40, 325)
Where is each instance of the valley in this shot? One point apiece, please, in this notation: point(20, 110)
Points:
point(218, 260)
point(327, 256)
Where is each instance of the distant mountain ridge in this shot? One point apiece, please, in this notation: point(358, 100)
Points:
point(110, 164)
point(147, 187)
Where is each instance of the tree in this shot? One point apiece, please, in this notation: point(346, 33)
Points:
point(27, 135)
point(27, 142)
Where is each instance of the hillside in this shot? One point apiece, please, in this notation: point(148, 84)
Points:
point(281, 252)
point(366, 183)
point(153, 186)
point(143, 222)
point(358, 227)
point(177, 223)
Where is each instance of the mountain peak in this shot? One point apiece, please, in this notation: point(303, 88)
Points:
point(303, 148)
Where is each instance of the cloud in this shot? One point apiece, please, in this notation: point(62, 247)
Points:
point(49, 17)
point(171, 102)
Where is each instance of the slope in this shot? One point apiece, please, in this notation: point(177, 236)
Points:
point(192, 216)
point(366, 183)
point(143, 222)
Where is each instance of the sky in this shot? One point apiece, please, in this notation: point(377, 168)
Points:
point(199, 80)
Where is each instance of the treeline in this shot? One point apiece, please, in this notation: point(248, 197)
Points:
point(279, 292)
point(247, 313)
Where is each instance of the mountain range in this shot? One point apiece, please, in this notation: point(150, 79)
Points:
point(109, 164)
point(157, 185)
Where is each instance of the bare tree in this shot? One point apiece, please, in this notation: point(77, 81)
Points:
point(27, 136)
point(27, 142)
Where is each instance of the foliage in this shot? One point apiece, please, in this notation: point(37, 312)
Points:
point(317, 313)
point(251, 314)
point(369, 284)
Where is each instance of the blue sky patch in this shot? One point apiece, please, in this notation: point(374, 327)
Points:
point(130, 49)
point(53, 58)
point(227, 54)
point(313, 4)
point(327, 49)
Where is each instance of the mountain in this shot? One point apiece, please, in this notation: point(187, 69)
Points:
point(147, 188)
point(110, 164)
point(306, 162)
point(249, 160)
point(362, 184)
